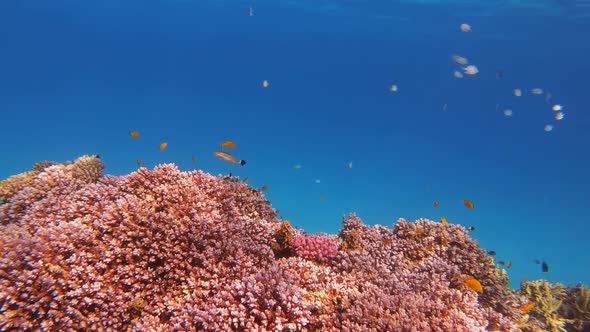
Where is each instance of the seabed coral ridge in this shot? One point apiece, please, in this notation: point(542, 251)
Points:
point(165, 250)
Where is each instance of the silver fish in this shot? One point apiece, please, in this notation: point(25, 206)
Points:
point(228, 157)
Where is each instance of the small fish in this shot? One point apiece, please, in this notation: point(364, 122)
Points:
point(537, 91)
point(492, 253)
point(350, 164)
point(473, 284)
point(245, 180)
point(559, 116)
point(517, 92)
point(250, 11)
point(162, 146)
point(460, 60)
point(465, 27)
point(557, 108)
point(322, 197)
point(536, 261)
point(509, 264)
point(296, 166)
point(443, 220)
point(499, 74)
point(470, 70)
point(265, 84)
point(138, 161)
point(508, 113)
point(548, 128)
point(228, 145)
point(194, 159)
point(393, 88)
point(228, 157)
point(545, 267)
point(435, 204)
point(134, 134)
point(470, 228)
point(263, 188)
point(468, 203)
point(500, 262)
point(317, 181)
point(526, 307)
point(420, 230)
point(457, 74)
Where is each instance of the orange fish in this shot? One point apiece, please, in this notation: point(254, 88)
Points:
point(194, 159)
point(443, 220)
point(134, 134)
point(263, 188)
point(162, 146)
point(435, 204)
point(228, 144)
point(526, 307)
point(138, 161)
point(265, 83)
point(468, 203)
point(420, 230)
point(473, 284)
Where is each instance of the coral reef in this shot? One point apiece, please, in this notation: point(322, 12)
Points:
point(165, 250)
point(25, 188)
point(576, 308)
point(555, 308)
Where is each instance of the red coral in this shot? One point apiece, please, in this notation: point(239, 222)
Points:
point(320, 248)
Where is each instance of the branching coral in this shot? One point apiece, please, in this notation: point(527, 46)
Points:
point(321, 248)
point(165, 250)
point(547, 299)
point(88, 168)
point(283, 236)
point(576, 308)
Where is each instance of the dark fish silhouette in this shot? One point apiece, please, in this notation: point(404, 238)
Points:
point(545, 267)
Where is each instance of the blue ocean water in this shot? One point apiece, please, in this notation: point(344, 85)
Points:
point(76, 76)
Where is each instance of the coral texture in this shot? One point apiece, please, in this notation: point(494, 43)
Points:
point(555, 307)
point(321, 248)
point(164, 250)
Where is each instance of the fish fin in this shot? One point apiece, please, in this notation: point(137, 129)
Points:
point(242, 162)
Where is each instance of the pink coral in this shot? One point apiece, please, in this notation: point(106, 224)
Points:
point(166, 250)
point(321, 248)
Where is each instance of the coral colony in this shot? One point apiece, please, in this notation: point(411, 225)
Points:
point(164, 250)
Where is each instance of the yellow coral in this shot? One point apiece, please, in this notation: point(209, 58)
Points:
point(283, 236)
point(547, 299)
point(351, 241)
point(577, 307)
point(87, 168)
point(15, 183)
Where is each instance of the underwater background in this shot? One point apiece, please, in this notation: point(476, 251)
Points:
point(77, 76)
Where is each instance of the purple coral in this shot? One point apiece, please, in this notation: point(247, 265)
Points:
point(170, 250)
point(321, 248)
